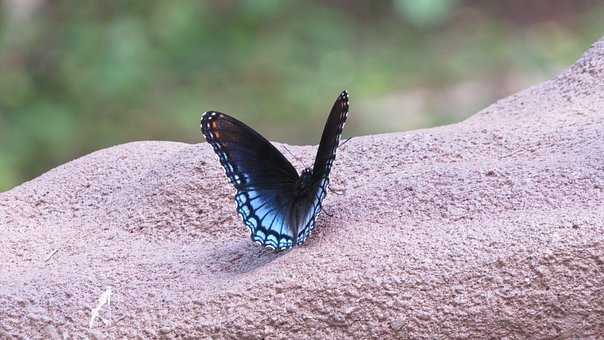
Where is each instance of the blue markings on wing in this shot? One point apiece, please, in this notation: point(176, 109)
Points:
point(267, 214)
point(263, 177)
point(264, 213)
point(309, 220)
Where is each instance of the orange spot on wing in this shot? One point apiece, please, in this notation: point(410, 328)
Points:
point(215, 129)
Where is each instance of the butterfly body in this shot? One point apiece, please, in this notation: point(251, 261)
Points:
point(303, 185)
point(278, 205)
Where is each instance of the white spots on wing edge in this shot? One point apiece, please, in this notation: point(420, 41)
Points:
point(207, 116)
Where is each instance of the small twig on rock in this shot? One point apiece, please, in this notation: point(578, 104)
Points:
point(512, 153)
point(51, 255)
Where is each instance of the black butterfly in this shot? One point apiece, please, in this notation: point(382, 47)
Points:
point(276, 204)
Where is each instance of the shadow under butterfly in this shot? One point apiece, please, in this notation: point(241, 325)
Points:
point(278, 206)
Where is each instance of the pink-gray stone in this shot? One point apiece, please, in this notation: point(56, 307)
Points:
point(493, 227)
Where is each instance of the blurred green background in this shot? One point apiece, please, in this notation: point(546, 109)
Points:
point(80, 75)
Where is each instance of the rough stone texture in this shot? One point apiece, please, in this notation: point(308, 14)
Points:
point(493, 227)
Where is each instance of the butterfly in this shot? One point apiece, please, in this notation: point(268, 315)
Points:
point(278, 206)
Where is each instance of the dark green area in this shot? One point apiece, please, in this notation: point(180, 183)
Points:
point(77, 76)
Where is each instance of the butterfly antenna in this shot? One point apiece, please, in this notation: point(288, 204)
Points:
point(298, 159)
point(346, 141)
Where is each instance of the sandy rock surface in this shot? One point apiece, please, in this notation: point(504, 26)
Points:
point(493, 227)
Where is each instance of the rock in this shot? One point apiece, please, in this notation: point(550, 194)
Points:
point(397, 324)
point(165, 330)
point(53, 333)
point(446, 231)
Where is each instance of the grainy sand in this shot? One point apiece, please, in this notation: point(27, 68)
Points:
point(492, 227)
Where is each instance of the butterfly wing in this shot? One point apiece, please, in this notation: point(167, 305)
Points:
point(330, 139)
point(268, 197)
point(264, 179)
point(326, 154)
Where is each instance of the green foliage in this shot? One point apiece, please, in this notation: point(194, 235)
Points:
point(425, 12)
point(77, 76)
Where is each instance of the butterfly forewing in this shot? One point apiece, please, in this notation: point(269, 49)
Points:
point(248, 158)
point(330, 138)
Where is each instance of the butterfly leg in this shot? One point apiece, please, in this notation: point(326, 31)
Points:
point(336, 192)
point(346, 141)
point(298, 159)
